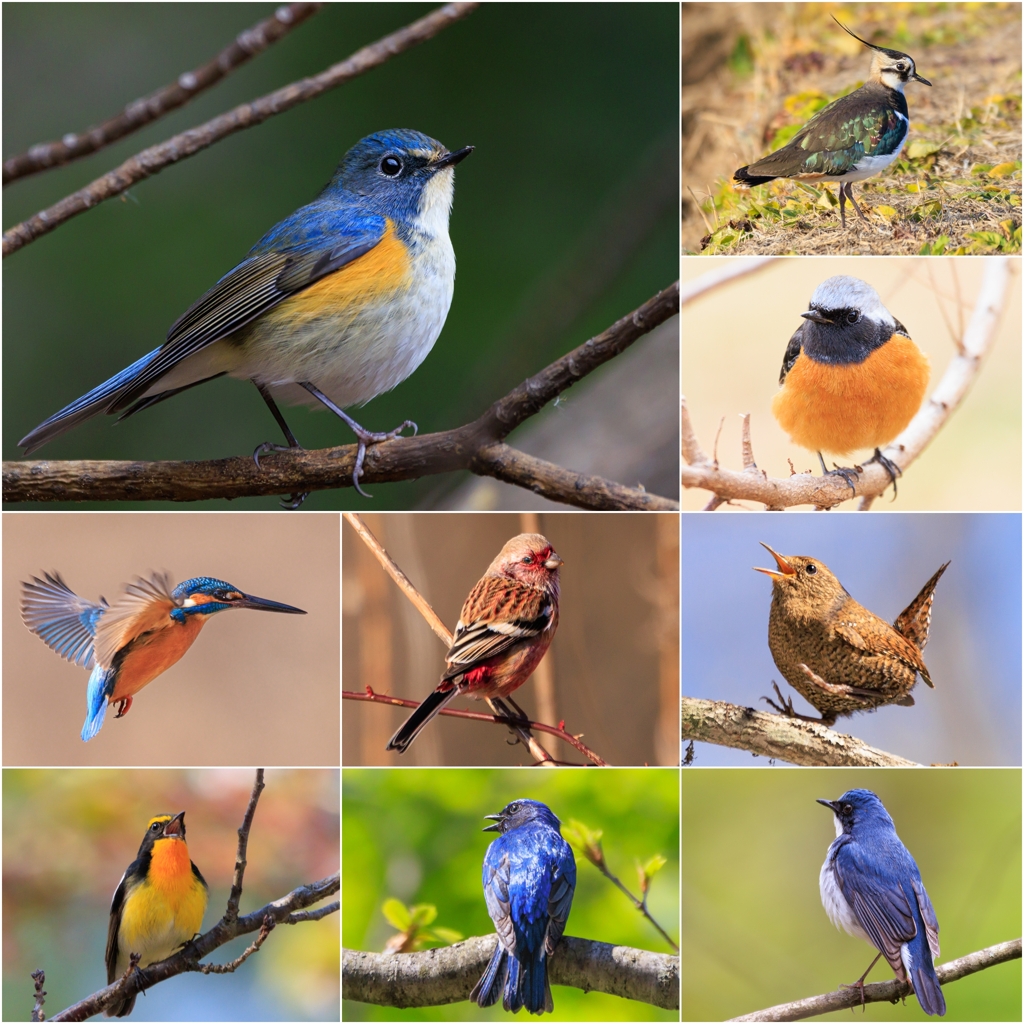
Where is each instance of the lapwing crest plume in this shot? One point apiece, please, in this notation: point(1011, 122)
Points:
point(854, 138)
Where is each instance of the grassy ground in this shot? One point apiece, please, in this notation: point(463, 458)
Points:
point(955, 190)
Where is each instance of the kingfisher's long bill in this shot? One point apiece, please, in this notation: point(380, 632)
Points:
point(128, 644)
point(335, 305)
point(853, 138)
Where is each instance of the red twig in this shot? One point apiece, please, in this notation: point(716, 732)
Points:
point(478, 716)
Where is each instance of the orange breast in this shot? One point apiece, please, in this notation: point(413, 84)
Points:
point(154, 653)
point(842, 409)
point(384, 269)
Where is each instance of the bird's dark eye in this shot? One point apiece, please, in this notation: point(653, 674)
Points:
point(811, 569)
point(391, 166)
point(528, 559)
point(847, 808)
point(852, 317)
point(156, 827)
point(901, 66)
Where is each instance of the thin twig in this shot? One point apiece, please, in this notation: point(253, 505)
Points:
point(892, 991)
point(558, 731)
point(39, 977)
point(776, 736)
point(640, 905)
point(138, 113)
point(422, 605)
point(873, 478)
point(154, 159)
point(724, 274)
point(477, 446)
point(235, 895)
point(232, 965)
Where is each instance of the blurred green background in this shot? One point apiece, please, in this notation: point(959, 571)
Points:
point(415, 834)
point(755, 932)
point(68, 837)
point(564, 217)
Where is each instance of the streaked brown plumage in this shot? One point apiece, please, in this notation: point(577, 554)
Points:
point(837, 655)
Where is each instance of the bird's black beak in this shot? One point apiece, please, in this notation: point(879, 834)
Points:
point(451, 159)
point(917, 78)
point(496, 827)
point(817, 316)
point(175, 828)
point(263, 605)
point(832, 805)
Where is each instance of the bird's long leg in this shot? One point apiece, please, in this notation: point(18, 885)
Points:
point(849, 195)
point(789, 712)
point(297, 498)
point(842, 203)
point(859, 983)
point(851, 476)
point(364, 436)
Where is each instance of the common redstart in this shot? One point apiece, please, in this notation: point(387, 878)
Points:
point(851, 377)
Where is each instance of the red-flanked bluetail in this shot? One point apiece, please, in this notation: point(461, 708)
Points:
point(128, 644)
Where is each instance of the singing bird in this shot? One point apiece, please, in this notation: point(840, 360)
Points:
point(505, 628)
point(128, 644)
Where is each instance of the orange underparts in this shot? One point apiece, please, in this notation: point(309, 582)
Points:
point(842, 409)
point(153, 654)
point(385, 268)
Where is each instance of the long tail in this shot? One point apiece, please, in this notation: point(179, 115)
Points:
point(488, 988)
point(527, 985)
point(100, 399)
point(101, 685)
point(410, 728)
point(923, 977)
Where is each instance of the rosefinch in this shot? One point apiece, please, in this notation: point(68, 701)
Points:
point(504, 629)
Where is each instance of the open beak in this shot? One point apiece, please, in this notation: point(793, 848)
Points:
point(917, 78)
point(451, 159)
point(817, 316)
point(496, 827)
point(785, 569)
point(263, 605)
point(175, 828)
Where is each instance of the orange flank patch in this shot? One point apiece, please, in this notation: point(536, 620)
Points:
point(842, 409)
point(154, 653)
point(385, 268)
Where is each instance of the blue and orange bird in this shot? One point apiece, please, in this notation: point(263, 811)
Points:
point(128, 644)
point(335, 305)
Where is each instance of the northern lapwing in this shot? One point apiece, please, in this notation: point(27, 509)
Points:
point(851, 139)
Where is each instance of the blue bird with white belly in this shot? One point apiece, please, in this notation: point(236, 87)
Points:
point(853, 138)
point(128, 644)
point(335, 305)
point(871, 888)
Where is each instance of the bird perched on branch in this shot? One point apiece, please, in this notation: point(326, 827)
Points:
point(871, 888)
point(853, 138)
point(837, 655)
point(851, 376)
point(335, 305)
point(128, 644)
point(529, 881)
point(505, 628)
point(158, 905)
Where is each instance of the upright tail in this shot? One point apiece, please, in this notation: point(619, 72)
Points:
point(100, 399)
point(410, 728)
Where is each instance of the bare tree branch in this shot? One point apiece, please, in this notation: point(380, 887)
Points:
point(138, 113)
point(477, 446)
point(753, 484)
point(422, 605)
point(888, 991)
point(788, 739)
point(39, 978)
point(712, 279)
point(559, 732)
point(281, 911)
point(154, 159)
point(447, 975)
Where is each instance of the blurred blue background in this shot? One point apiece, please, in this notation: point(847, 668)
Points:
point(973, 714)
point(565, 217)
point(754, 931)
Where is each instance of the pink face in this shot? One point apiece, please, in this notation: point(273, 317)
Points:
point(534, 564)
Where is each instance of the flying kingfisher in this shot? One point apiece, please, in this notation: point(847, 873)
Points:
point(853, 138)
point(127, 644)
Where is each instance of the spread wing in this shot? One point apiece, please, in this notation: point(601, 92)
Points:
point(880, 904)
point(65, 622)
point(144, 606)
point(498, 614)
point(272, 272)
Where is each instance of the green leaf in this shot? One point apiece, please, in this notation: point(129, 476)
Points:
point(397, 914)
point(423, 914)
point(918, 148)
point(448, 935)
